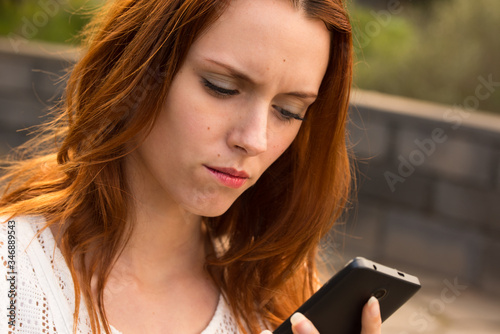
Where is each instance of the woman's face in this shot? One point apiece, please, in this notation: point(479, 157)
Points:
point(234, 106)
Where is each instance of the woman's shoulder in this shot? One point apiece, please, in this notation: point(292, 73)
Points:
point(21, 227)
point(42, 298)
point(18, 233)
point(26, 236)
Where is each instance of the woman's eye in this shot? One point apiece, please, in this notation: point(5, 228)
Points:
point(287, 115)
point(217, 90)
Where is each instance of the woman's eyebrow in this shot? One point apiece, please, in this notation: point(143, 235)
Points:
point(233, 71)
point(302, 95)
point(245, 77)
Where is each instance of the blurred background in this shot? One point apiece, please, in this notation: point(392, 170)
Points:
point(425, 130)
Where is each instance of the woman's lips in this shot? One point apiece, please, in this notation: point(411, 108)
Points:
point(229, 177)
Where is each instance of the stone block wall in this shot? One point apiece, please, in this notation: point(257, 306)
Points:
point(30, 83)
point(428, 188)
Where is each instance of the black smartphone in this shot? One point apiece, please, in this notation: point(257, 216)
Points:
point(336, 307)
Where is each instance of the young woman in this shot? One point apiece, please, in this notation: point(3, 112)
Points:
point(198, 159)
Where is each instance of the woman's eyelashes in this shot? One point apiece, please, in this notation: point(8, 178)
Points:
point(217, 90)
point(287, 115)
point(222, 92)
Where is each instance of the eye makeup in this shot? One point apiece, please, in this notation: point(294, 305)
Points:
point(287, 115)
point(217, 89)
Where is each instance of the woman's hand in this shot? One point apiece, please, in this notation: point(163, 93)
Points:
point(370, 321)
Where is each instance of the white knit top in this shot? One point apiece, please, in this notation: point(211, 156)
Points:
point(37, 294)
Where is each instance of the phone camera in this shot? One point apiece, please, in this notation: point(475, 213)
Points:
point(380, 293)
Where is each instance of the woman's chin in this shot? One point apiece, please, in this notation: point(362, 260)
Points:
point(210, 209)
point(214, 211)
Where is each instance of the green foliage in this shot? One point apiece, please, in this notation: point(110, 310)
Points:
point(437, 53)
point(49, 20)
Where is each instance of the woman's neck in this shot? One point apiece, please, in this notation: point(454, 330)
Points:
point(164, 246)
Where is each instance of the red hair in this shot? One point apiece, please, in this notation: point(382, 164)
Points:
point(73, 173)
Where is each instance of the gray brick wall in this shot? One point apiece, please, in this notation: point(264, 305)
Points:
point(425, 240)
point(469, 204)
point(490, 268)
point(441, 214)
point(497, 175)
point(29, 85)
point(456, 158)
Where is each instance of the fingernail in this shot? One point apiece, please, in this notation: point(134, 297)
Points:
point(301, 322)
point(373, 307)
point(266, 332)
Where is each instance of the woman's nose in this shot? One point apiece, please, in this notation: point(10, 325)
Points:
point(250, 131)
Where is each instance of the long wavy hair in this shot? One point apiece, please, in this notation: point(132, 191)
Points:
point(72, 173)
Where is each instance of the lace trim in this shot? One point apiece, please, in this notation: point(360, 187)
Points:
point(34, 311)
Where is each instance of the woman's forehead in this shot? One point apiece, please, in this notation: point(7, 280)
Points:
point(269, 39)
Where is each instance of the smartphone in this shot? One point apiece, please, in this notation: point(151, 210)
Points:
point(336, 307)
